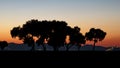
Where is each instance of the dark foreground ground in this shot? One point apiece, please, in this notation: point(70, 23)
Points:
point(58, 58)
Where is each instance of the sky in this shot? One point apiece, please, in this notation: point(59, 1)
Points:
point(103, 14)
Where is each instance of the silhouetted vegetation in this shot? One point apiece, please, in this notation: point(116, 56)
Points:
point(48, 32)
point(95, 35)
point(76, 38)
point(54, 33)
point(3, 44)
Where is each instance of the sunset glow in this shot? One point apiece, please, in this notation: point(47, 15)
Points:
point(103, 14)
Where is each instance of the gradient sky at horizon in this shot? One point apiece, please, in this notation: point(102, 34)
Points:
point(103, 14)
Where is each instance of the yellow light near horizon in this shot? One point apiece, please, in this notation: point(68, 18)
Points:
point(67, 39)
point(111, 26)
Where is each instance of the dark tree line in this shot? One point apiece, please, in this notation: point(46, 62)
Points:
point(54, 33)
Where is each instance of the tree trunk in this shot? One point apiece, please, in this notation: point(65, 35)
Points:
point(44, 48)
point(67, 47)
point(70, 46)
point(94, 46)
point(55, 48)
point(33, 47)
point(79, 46)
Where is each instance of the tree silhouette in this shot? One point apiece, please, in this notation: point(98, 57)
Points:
point(15, 31)
point(54, 32)
point(57, 34)
point(75, 37)
point(25, 33)
point(3, 44)
point(95, 35)
point(42, 30)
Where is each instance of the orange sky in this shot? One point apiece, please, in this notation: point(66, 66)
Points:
point(103, 14)
point(112, 38)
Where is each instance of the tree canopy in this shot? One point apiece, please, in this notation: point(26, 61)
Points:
point(54, 32)
point(95, 35)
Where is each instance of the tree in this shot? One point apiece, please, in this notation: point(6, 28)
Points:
point(3, 44)
point(57, 34)
point(15, 31)
point(95, 35)
point(54, 32)
point(74, 37)
point(25, 33)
